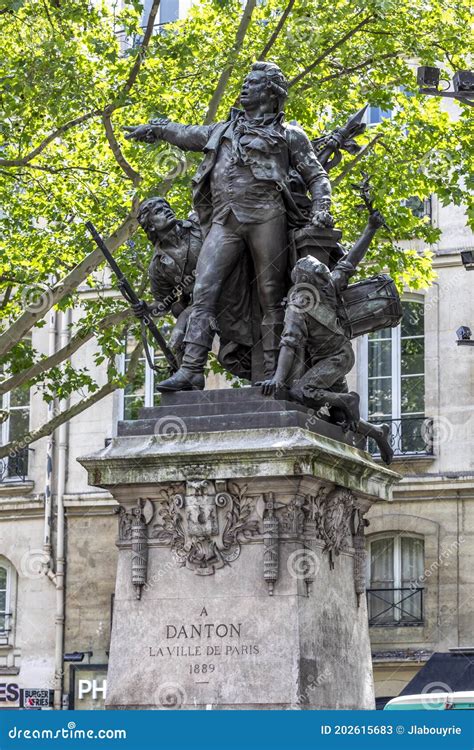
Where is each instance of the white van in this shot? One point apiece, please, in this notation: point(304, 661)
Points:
point(432, 702)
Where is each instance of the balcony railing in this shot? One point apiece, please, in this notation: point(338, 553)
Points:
point(409, 436)
point(395, 607)
point(14, 466)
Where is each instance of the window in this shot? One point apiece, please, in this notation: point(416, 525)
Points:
point(17, 405)
point(7, 580)
point(167, 12)
point(375, 115)
point(419, 208)
point(394, 594)
point(393, 387)
point(142, 392)
point(3, 598)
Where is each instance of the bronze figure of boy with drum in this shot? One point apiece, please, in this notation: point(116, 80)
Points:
point(315, 334)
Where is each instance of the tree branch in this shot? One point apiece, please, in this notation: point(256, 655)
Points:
point(6, 297)
point(21, 161)
point(59, 170)
point(348, 168)
point(49, 427)
point(346, 71)
point(142, 50)
point(132, 76)
point(323, 55)
point(79, 273)
point(132, 175)
point(276, 32)
point(78, 340)
point(230, 63)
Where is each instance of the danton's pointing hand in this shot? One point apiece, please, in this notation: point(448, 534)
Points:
point(148, 133)
point(143, 133)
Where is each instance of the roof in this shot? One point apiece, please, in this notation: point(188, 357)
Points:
point(443, 673)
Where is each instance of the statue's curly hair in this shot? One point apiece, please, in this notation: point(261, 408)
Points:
point(148, 207)
point(276, 80)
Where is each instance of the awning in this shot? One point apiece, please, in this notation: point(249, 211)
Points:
point(444, 673)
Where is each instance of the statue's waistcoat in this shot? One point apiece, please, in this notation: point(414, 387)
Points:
point(271, 167)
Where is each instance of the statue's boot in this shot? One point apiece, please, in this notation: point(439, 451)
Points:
point(379, 433)
point(347, 403)
point(198, 339)
point(271, 330)
point(190, 376)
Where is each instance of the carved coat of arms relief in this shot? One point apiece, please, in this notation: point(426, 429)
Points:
point(205, 524)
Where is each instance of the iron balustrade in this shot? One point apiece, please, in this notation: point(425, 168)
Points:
point(395, 607)
point(14, 466)
point(409, 436)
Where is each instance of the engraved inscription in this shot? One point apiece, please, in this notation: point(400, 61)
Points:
point(205, 643)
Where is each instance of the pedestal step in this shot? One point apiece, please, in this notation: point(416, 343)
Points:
point(230, 409)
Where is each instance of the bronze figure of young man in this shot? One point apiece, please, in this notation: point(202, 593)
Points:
point(172, 271)
point(244, 203)
point(312, 326)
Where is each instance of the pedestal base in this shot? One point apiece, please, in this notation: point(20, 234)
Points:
point(240, 580)
point(222, 642)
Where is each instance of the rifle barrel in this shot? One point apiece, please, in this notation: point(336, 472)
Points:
point(131, 297)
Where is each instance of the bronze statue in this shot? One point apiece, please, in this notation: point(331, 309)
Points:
point(262, 199)
point(314, 336)
point(243, 197)
point(172, 270)
point(177, 244)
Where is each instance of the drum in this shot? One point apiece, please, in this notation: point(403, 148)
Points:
point(370, 305)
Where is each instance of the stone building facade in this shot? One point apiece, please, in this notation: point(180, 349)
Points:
point(424, 542)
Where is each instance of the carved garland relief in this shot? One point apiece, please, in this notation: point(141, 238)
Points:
point(205, 522)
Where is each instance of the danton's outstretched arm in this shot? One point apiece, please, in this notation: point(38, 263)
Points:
point(186, 137)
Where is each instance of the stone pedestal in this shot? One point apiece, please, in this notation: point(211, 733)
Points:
point(240, 579)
